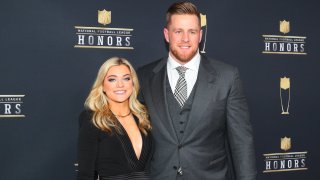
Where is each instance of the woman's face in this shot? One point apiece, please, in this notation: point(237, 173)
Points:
point(118, 84)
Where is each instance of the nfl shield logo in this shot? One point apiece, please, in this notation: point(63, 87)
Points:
point(284, 26)
point(285, 143)
point(104, 17)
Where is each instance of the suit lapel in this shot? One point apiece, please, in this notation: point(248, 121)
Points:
point(158, 93)
point(202, 97)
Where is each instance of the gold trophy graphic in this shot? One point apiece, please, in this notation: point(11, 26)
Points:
point(203, 23)
point(285, 87)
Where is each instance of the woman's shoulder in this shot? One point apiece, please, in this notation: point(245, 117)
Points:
point(85, 116)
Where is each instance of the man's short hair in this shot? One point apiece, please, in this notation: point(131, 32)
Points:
point(181, 8)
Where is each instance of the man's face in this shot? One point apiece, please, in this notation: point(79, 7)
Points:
point(183, 35)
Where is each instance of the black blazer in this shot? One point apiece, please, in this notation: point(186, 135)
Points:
point(110, 155)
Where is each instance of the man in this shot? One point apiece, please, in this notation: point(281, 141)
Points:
point(199, 114)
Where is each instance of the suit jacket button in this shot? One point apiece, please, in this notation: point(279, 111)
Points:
point(180, 146)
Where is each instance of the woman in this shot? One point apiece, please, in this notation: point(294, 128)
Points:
point(114, 136)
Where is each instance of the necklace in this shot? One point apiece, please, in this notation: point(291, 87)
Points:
point(121, 116)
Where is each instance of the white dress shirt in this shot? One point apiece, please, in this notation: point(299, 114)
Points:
point(191, 73)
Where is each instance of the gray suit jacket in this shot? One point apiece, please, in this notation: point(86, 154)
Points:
point(218, 138)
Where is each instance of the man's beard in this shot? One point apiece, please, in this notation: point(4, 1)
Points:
point(183, 57)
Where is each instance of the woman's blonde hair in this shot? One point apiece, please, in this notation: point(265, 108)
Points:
point(97, 101)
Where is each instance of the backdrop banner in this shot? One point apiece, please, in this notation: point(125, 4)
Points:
point(51, 52)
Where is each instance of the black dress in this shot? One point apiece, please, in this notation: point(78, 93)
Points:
point(111, 156)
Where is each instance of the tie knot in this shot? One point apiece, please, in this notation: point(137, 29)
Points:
point(181, 70)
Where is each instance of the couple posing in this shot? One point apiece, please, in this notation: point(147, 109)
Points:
point(199, 124)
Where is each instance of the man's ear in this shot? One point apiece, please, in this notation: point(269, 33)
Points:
point(166, 34)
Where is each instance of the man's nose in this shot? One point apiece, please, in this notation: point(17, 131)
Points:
point(185, 37)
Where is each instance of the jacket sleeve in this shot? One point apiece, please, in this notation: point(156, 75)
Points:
point(240, 133)
point(141, 84)
point(87, 147)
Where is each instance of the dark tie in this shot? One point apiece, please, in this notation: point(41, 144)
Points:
point(180, 92)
